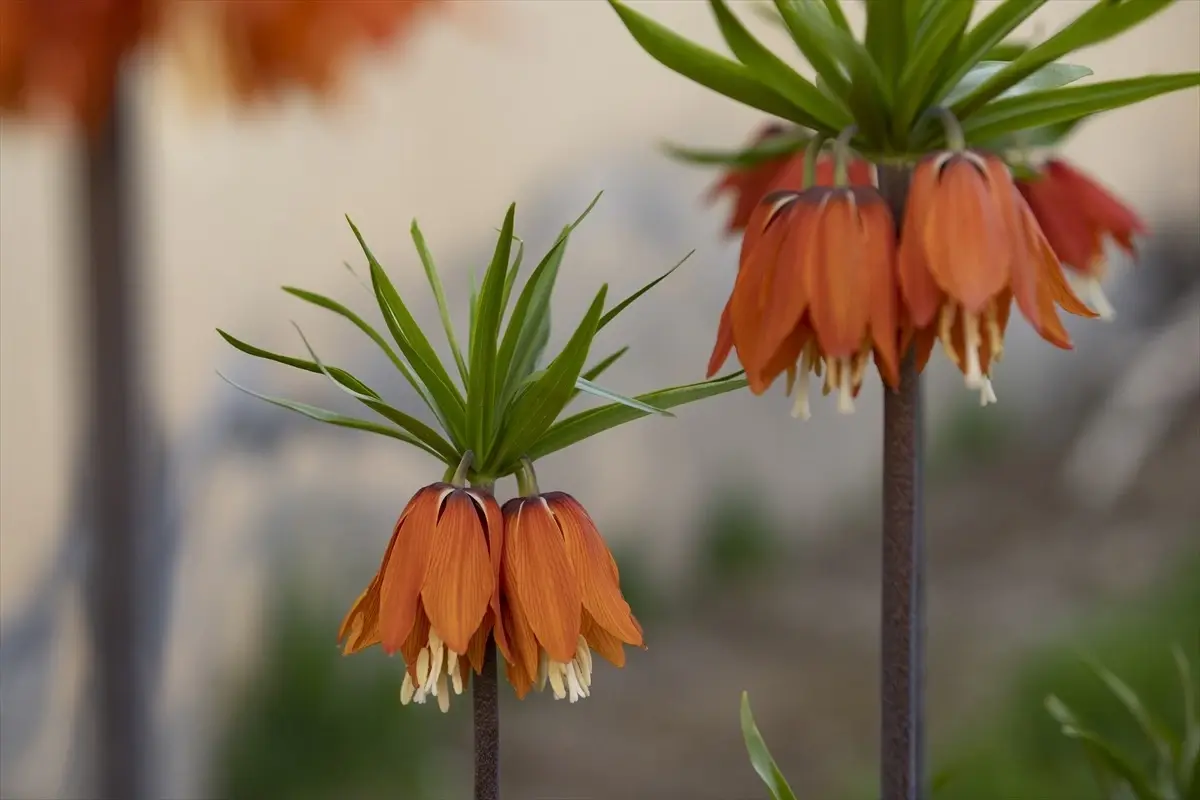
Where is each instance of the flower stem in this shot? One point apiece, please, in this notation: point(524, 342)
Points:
point(485, 699)
point(956, 140)
point(811, 154)
point(527, 485)
point(902, 627)
point(841, 156)
point(464, 467)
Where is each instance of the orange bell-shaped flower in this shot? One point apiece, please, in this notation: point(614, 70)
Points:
point(562, 596)
point(436, 596)
point(969, 246)
point(1077, 215)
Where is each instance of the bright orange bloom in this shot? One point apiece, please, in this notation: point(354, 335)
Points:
point(816, 288)
point(1077, 215)
point(437, 594)
point(66, 53)
point(268, 46)
point(562, 596)
point(969, 246)
point(749, 185)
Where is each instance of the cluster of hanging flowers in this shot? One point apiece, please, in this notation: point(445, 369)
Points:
point(64, 56)
point(534, 576)
point(828, 281)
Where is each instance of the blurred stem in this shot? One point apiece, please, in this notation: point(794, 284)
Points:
point(459, 478)
point(842, 155)
point(527, 485)
point(110, 354)
point(812, 154)
point(485, 696)
point(902, 624)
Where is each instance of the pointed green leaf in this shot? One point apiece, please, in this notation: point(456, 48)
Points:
point(415, 347)
point(473, 303)
point(513, 271)
point(986, 34)
point(481, 391)
point(705, 67)
point(811, 28)
point(1102, 21)
point(375, 336)
point(1103, 753)
point(775, 147)
point(535, 410)
point(528, 327)
point(586, 424)
point(931, 58)
point(341, 376)
point(1163, 739)
point(624, 304)
point(1053, 106)
point(583, 384)
point(1050, 76)
point(1189, 760)
point(834, 7)
point(760, 756)
point(887, 38)
point(333, 418)
point(826, 110)
point(439, 294)
point(600, 367)
point(1006, 51)
point(373, 401)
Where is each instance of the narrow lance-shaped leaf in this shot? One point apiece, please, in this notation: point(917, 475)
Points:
point(336, 373)
point(372, 400)
point(1164, 741)
point(439, 294)
point(337, 308)
point(707, 68)
point(985, 35)
point(825, 109)
point(415, 347)
point(1102, 752)
point(1189, 761)
point(333, 418)
point(586, 424)
point(1050, 76)
point(1103, 21)
point(887, 39)
point(481, 392)
point(760, 756)
point(536, 408)
point(513, 271)
point(801, 21)
point(600, 367)
point(834, 7)
point(583, 384)
point(1054, 106)
point(612, 313)
point(775, 147)
point(931, 58)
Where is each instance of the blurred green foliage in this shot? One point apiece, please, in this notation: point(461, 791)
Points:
point(311, 724)
point(738, 539)
point(1021, 752)
point(969, 435)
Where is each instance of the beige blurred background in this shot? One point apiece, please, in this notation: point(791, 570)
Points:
point(543, 102)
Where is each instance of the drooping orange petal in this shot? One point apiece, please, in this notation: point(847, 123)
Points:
point(495, 543)
point(1032, 293)
point(540, 576)
point(416, 640)
point(788, 285)
point(1003, 307)
point(603, 642)
point(787, 354)
point(595, 568)
point(477, 647)
point(524, 647)
point(1075, 243)
point(404, 574)
point(360, 628)
point(880, 261)
point(921, 294)
point(1106, 212)
point(967, 251)
point(749, 295)
point(458, 584)
point(724, 344)
point(839, 278)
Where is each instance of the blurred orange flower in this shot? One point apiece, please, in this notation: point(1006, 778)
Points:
point(436, 596)
point(749, 185)
point(561, 596)
point(969, 246)
point(1077, 215)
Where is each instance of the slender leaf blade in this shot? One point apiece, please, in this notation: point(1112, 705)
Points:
point(887, 38)
point(1165, 742)
point(612, 313)
point(481, 388)
point(929, 60)
point(775, 147)
point(600, 367)
point(985, 35)
point(707, 68)
point(1103, 753)
point(339, 375)
point(583, 384)
point(586, 424)
point(760, 756)
point(439, 295)
point(1051, 76)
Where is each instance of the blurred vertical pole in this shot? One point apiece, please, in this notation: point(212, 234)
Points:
point(902, 619)
point(109, 350)
point(485, 699)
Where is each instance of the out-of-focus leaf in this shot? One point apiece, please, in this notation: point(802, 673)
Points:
point(801, 20)
point(887, 39)
point(1052, 106)
point(613, 312)
point(415, 346)
point(585, 385)
point(1102, 21)
point(333, 418)
point(1189, 756)
point(930, 59)
point(824, 108)
point(535, 409)
point(1164, 741)
point(707, 68)
point(439, 294)
point(482, 387)
point(586, 424)
point(775, 147)
point(760, 756)
point(600, 367)
point(983, 36)
point(1103, 753)
point(1050, 76)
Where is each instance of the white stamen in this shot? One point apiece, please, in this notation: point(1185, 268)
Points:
point(572, 680)
point(573, 687)
point(406, 689)
point(423, 667)
point(443, 693)
point(1099, 301)
point(543, 671)
point(974, 372)
point(987, 395)
point(556, 680)
point(801, 408)
point(845, 386)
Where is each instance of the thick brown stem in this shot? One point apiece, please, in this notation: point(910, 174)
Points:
point(485, 696)
point(902, 624)
point(110, 355)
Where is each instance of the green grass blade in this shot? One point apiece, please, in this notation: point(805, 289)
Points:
point(983, 36)
point(1164, 740)
point(439, 294)
point(481, 389)
point(586, 424)
point(585, 385)
point(600, 367)
point(760, 756)
point(511, 278)
point(612, 313)
point(775, 147)
point(339, 375)
point(1189, 757)
point(1104, 754)
point(333, 418)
